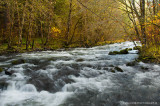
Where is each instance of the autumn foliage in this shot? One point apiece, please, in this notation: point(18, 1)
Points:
point(153, 30)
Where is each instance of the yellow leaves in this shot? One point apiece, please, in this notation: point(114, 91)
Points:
point(156, 16)
point(56, 30)
point(154, 21)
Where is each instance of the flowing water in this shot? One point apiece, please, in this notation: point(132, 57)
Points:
point(79, 77)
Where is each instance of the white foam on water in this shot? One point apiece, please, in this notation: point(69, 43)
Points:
point(28, 88)
point(156, 68)
point(62, 62)
point(12, 97)
point(133, 51)
point(140, 76)
point(56, 99)
point(28, 93)
point(39, 55)
point(128, 69)
point(99, 83)
point(18, 76)
point(102, 81)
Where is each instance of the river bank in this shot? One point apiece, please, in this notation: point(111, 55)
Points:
point(144, 55)
point(16, 49)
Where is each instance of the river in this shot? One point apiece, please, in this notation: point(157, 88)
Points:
point(79, 77)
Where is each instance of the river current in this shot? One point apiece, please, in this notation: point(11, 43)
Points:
point(79, 77)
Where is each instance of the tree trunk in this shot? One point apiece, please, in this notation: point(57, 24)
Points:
point(159, 5)
point(154, 7)
point(49, 30)
point(21, 23)
point(68, 24)
point(142, 21)
point(42, 34)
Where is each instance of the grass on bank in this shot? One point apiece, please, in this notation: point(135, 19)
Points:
point(150, 54)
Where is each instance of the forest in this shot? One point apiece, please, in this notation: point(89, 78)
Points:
point(27, 25)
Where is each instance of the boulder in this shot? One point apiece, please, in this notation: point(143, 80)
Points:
point(124, 51)
point(8, 73)
point(15, 62)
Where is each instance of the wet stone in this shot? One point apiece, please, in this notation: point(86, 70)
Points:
point(131, 63)
point(118, 69)
point(125, 51)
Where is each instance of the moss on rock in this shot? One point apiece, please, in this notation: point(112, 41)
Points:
point(137, 48)
point(129, 49)
point(124, 51)
point(113, 53)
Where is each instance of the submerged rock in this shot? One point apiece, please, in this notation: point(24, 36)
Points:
point(144, 68)
point(15, 62)
point(1, 70)
point(8, 73)
point(113, 71)
point(118, 69)
point(105, 68)
point(111, 65)
point(131, 63)
point(79, 60)
point(113, 53)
